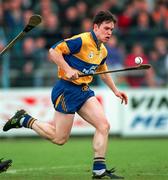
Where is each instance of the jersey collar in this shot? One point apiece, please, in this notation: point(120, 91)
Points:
point(95, 39)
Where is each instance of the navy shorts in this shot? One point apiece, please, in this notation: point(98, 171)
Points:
point(68, 97)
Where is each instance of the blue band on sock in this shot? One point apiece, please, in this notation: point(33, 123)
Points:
point(99, 165)
point(26, 120)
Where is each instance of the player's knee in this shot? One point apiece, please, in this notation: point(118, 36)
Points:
point(104, 128)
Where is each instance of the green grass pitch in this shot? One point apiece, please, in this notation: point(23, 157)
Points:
point(38, 159)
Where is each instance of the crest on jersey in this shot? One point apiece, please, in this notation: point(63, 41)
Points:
point(91, 54)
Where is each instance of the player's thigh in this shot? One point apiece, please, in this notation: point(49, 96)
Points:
point(63, 123)
point(92, 111)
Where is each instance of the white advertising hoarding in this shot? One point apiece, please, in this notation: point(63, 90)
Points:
point(37, 102)
point(145, 115)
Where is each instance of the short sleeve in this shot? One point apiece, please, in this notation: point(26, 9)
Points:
point(102, 67)
point(68, 46)
point(61, 47)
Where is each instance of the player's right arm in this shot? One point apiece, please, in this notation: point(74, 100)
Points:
point(58, 59)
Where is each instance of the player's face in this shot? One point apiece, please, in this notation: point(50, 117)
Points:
point(104, 31)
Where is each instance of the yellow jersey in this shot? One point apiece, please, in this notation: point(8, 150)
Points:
point(83, 53)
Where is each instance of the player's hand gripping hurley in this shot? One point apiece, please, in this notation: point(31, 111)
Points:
point(33, 22)
point(139, 67)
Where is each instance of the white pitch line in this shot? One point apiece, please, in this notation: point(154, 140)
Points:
point(14, 171)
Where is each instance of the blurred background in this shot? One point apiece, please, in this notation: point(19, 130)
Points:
point(26, 79)
point(142, 30)
point(26, 75)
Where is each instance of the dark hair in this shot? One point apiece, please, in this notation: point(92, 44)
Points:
point(104, 16)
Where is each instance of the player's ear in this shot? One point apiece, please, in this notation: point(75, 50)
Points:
point(95, 26)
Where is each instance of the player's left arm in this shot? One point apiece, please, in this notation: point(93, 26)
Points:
point(110, 83)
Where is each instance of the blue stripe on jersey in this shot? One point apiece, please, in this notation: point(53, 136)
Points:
point(103, 61)
point(79, 64)
point(74, 45)
point(56, 44)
